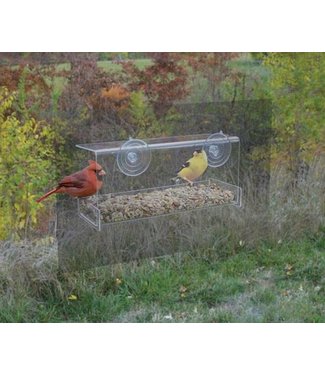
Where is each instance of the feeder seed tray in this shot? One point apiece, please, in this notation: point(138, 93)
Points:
point(142, 204)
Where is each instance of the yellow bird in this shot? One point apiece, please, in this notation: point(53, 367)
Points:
point(194, 167)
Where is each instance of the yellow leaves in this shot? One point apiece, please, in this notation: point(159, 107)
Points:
point(289, 269)
point(182, 291)
point(307, 78)
point(299, 113)
point(21, 224)
point(72, 297)
point(118, 281)
point(6, 101)
point(27, 164)
point(259, 153)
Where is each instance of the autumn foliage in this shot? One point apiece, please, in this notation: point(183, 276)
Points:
point(33, 82)
point(214, 67)
point(163, 82)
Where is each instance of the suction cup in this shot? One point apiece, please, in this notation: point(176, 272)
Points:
point(134, 157)
point(218, 149)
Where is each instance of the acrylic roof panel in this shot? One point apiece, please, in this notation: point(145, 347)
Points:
point(154, 143)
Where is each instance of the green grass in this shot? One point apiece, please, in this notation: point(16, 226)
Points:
point(111, 66)
point(279, 283)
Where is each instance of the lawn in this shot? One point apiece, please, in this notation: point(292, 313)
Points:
point(111, 66)
point(284, 282)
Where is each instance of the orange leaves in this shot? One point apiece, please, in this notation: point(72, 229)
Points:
point(117, 96)
point(115, 93)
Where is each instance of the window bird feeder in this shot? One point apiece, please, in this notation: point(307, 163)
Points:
point(139, 181)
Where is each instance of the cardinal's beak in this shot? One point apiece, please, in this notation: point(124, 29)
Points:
point(102, 172)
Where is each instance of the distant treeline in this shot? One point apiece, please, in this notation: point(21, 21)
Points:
point(17, 58)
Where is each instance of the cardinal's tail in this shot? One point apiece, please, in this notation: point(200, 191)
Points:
point(47, 194)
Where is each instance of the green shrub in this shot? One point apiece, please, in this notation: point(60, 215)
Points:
point(27, 155)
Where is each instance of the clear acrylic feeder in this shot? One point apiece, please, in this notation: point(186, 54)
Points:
point(139, 176)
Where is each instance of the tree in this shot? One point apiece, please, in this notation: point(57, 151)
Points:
point(45, 58)
point(142, 117)
point(94, 102)
point(34, 84)
point(215, 68)
point(297, 87)
point(163, 82)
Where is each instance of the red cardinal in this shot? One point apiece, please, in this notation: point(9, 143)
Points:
point(80, 184)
